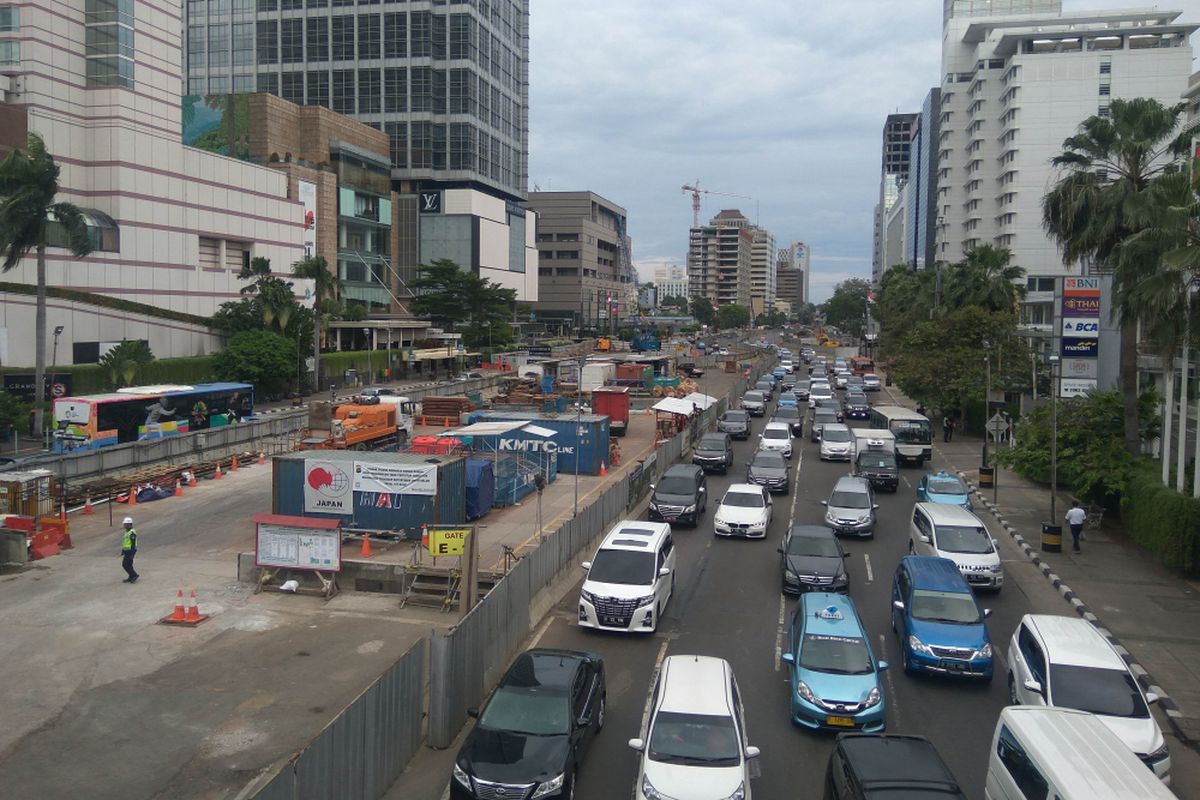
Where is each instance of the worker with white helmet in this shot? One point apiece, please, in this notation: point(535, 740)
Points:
point(129, 550)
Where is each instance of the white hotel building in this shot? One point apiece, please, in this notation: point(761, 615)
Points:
point(101, 81)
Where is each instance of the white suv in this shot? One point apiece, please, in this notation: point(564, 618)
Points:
point(630, 579)
point(953, 532)
point(694, 734)
point(776, 436)
point(1064, 662)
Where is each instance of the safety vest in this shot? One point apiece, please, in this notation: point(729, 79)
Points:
point(129, 542)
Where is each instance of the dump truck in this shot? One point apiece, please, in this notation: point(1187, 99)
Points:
point(350, 426)
point(613, 402)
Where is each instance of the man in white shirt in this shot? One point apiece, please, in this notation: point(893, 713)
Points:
point(1075, 518)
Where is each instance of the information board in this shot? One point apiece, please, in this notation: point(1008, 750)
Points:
point(392, 478)
point(288, 547)
point(448, 541)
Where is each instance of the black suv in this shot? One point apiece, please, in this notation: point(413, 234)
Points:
point(736, 423)
point(879, 467)
point(866, 765)
point(535, 728)
point(792, 416)
point(714, 452)
point(680, 495)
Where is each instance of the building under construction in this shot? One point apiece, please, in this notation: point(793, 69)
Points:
point(720, 256)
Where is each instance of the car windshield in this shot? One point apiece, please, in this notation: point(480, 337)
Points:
point(769, 459)
point(912, 431)
point(765, 385)
point(776, 433)
point(783, 412)
point(735, 416)
point(963, 539)
point(622, 566)
point(711, 442)
point(675, 485)
point(816, 546)
point(803, 384)
point(849, 500)
point(824, 415)
point(835, 435)
point(840, 655)
point(1110, 692)
point(876, 461)
point(700, 739)
point(752, 397)
point(744, 499)
point(954, 607)
point(946, 486)
point(534, 712)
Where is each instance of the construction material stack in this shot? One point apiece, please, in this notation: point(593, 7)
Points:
point(445, 410)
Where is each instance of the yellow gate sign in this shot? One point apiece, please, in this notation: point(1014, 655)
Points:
point(448, 541)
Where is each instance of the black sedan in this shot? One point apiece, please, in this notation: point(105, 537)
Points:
point(857, 406)
point(769, 469)
point(792, 416)
point(812, 560)
point(820, 417)
point(534, 729)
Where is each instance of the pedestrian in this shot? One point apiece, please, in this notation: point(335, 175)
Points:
point(947, 428)
point(129, 550)
point(921, 409)
point(1075, 518)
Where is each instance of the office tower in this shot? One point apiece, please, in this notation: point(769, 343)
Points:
point(762, 271)
point(671, 280)
point(894, 165)
point(719, 257)
point(921, 208)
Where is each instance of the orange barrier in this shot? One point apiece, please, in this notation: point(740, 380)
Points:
point(58, 530)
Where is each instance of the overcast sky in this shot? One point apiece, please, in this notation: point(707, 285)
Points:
point(779, 100)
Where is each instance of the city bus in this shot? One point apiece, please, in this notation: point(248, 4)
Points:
point(914, 435)
point(862, 365)
point(147, 412)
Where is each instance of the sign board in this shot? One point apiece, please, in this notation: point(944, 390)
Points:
point(307, 194)
point(1081, 285)
point(1077, 306)
point(20, 384)
point(998, 424)
point(294, 547)
point(1080, 318)
point(1080, 348)
point(448, 541)
point(327, 487)
point(375, 476)
point(430, 202)
point(1081, 326)
point(1080, 368)
point(1076, 387)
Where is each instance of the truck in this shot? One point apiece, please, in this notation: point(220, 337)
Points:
point(690, 369)
point(612, 402)
point(875, 458)
point(596, 374)
point(351, 426)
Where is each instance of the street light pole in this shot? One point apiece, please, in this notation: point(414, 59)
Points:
point(1054, 389)
point(367, 338)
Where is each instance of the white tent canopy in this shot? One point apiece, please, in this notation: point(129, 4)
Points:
point(702, 400)
point(675, 405)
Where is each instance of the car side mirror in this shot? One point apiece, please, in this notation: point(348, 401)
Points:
point(637, 744)
point(987, 612)
point(753, 752)
point(1152, 697)
point(824, 502)
point(587, 566)
point(1032, 685)
point(652, 487)
point(703, 489)
point(473, 712)
point(883, 665)
point(788, 658)
point(925, 540)
point(664, 571)
point(875, 507)
point(898, 605)
point(845, 554)
point(781, 551)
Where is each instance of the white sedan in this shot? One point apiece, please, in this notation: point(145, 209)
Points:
point(745, 511)
point(776, 436)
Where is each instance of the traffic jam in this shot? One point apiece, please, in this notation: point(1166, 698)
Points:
point(812, 607)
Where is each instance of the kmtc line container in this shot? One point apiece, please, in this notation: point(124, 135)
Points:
point(396, 492)
point(581, 444)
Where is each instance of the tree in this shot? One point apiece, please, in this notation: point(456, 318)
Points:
point(771, 319)
point(13, 411)
point(28, 186)
point(733, 316)
point(262, 358)
point(985, 278)
point(1093, 208)
point(846, 309)
point(124, 361)
point(674, 302)
point(449, 295)
point(702, 310)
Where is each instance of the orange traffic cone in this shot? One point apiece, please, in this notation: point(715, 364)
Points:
point(178, 488)
point(62, 511)
point(365, 552)
point(191, 480)
point(87, 505)
point(193, 615)
point(603, 471)
point(262, 457)
point(217, 474)
point(133, 495)
point(233, 464)
point(178, 615)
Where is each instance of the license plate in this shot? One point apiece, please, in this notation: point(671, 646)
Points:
point(613, 621)
point(953, 666)
point(840, 722)
point(670, 519)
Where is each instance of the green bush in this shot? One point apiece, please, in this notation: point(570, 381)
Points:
point(1163, 521)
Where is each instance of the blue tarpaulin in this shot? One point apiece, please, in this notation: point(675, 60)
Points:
point(481, 487)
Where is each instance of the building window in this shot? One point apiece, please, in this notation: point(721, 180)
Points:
point(243, 44)
point(421, 41)
point(293, 87)
point(1106, 67)
point(9, 19)
point(395, 35)
point(395, 89)
point(343, 91)
point(461, 29)
point(343, 38)
point(218, 45)
point(439, 37)
point(422, 145)
point(268, 41)
point(397, 133)
point(422, 89)
point(291, 41)
point(268, 5)
point(317, 3)
point(368, 36)
point(318, 88)
point(291, 5)
point(368, 91)
point(462, 146)
point(109, 41)
point(1105, 90)
point(10, 52)
point(318, 38)
point(268, 82)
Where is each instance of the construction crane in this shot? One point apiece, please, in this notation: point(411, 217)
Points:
point(695, 189)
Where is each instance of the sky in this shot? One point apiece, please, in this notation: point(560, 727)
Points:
point(782, 101)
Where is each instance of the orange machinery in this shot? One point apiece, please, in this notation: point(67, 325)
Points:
point(353, 427)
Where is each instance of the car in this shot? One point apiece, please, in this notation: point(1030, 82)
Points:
point(468, 376)
point(788, 365)
point(854, 382)
point(787, 384)
point(689, 369)
point(942, 487)
point(745, 511)
point(792, 416)
point(840, 363)
point(779, 373)
point(535, 729)
point(680, 495)
point(714, 453)
point(820, 418)
point(851, 507)
point(1065, 662)
point(871, 382)
point(693, 738)
point(819, 390)
point(812, 560)
point(832, 403)
point(735, 422)
point(841, 378)
point(833, 673)
point(776, 436)
point(378, 391)
point(800, 389)
point(864, 766)
point(631, 578)
point(787, 399)
point(857, 406)
point(939, 622)
point(755, 403)
point(770, 469)
point(955, 533)
point(837, 442)
point(767, 387)
point(877, 465)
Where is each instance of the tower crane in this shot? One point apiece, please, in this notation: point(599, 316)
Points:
point(695, 189)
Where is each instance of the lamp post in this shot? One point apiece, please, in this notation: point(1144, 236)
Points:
point(1052, 531)
point(58, 331)
point(367, 338)
point(987, 396)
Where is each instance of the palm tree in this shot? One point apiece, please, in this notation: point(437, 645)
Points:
point(1094, 206)
point(985, 278)
point(28, 186)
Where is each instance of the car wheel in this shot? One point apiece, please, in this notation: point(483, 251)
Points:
point(1012, 691)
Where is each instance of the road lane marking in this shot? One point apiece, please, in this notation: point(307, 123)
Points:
point(867, 562)
point(998, 657)
point(779, 630)
point(893, 700)
point(542, 630)
point(906, 483)
point(658, 660)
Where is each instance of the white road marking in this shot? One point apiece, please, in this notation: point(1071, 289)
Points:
point(542, 630)
point(658, 660)
point(796, 489)
point(906, 483)
point(998, 657)
point(867, 562)
point(892, 700)
point(779, 630)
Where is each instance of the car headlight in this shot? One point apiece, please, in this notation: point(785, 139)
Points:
point(916, 644)
point(650, 792)
point(997, 568)
point(654, 505)
point(738, 793)
point(584, 594)
point(552, 785)
point(806, 693)
point(985, 651)
point(873, 698)
point(865, 518)
point(830, 517)
point(689, 509)
point(645, 601)
point(461, 776)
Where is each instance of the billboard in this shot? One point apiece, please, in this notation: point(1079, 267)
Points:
point(308, 198)
point(1080, 314)
point(219, 123)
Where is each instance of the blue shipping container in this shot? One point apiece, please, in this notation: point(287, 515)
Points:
point(481, 487)
point(370, 510)
point(581, 441)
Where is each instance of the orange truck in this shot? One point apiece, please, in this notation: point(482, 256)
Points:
point(351, 427)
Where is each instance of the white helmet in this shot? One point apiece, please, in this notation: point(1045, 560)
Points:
point(127, 521)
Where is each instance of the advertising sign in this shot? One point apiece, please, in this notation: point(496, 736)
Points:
point(1076, 306)
point(448, 541)
point(1083, 327)
point(1080, 368)
point(308, 198)
point(374, 476)
point(1076, 387)
point(1082, 285)
point(327, 488)
point(1081, 318)
point(20, 384)
point(1080, 348)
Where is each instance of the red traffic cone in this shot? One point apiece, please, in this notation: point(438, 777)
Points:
point(365, 552)
point(233, 464)
point(87, 505)
point(178, 488)
point(262, 457)
point(193, 615)
point(133, 495)
point(62, 511)
point(217, 474)
point(178, 615)
point(603, 471)
point(191, 480)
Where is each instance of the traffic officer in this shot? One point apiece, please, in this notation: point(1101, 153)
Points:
point(128, 550)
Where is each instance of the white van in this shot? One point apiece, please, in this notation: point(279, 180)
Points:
point(1042, 753)
point(953, 532)
point(630, 579)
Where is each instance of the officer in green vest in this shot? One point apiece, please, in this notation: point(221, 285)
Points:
point(129, 550)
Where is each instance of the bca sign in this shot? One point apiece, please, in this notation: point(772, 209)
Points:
point(1080, 326)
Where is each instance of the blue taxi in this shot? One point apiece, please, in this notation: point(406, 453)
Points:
point(942, 487)
point(788, 400)
point(834, 677)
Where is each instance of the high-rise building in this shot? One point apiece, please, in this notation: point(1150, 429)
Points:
point(921, 209)
point(671, 280)
point(796, 256)
point(894, 165)
point(447, 82)
point(787, 280)
point(762, 271)
point(585, 267)
point(719, 257)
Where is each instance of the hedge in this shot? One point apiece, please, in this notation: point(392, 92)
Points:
point(93, 378)
point(1163, 521)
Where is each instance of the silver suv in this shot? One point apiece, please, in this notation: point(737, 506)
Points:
point(754, 403)
point(851, 507)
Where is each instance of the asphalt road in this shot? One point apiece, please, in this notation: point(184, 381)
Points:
point(728, 604)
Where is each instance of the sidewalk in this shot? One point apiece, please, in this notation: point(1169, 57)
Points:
point(1151, 613)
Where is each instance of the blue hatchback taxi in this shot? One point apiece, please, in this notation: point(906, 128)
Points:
point(939, 621)
point(788, 400)
point(942, 487)
point(834, 675)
